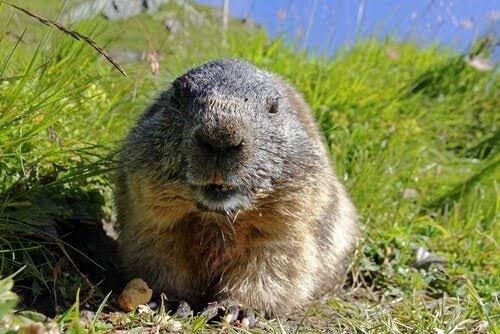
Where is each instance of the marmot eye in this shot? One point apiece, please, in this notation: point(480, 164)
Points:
point(274, 108)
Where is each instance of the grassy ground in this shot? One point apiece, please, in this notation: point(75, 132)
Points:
point(412, 131)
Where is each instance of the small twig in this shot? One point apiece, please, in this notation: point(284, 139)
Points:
point(75, 34)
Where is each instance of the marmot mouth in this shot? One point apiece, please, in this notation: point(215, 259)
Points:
point(221, 197)
point(218, 191)
point(219, 187)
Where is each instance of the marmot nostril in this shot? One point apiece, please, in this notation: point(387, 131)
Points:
point(204, 141)
point(218, 141)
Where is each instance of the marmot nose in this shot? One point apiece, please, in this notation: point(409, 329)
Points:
point(213, 141)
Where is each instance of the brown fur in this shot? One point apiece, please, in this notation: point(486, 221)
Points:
point(274, 257)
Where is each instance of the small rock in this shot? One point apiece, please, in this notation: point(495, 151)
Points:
point(135, 293)
point(121, 9)
point(426, 258)
point(410, 193)
point(85, 10)
point(172, 25)
point(112, 9)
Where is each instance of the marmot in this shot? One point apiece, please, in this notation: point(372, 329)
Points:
point(226, 192)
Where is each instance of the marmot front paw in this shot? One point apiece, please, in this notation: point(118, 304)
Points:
point(229, 312)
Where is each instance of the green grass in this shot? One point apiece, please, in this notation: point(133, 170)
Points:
point(415, 139)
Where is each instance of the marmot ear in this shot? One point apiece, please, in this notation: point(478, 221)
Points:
point(274, 105)
point(180, 90)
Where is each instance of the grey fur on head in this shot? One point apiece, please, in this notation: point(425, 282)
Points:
point(256, 141)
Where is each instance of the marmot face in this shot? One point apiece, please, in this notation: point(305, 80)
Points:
point(239, 132)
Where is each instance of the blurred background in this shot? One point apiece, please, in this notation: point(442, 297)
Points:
point(326, 25)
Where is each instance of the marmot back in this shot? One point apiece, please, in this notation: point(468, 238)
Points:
point(226, 193)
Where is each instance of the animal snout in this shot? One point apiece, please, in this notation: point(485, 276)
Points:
point(213, 141)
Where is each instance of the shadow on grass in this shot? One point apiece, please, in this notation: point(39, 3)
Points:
point(57, 235)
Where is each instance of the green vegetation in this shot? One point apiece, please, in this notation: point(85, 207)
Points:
point(412, 131)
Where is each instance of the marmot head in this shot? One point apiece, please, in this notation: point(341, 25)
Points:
point(242, 138)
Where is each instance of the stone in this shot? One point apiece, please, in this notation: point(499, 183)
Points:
point(111, 9)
